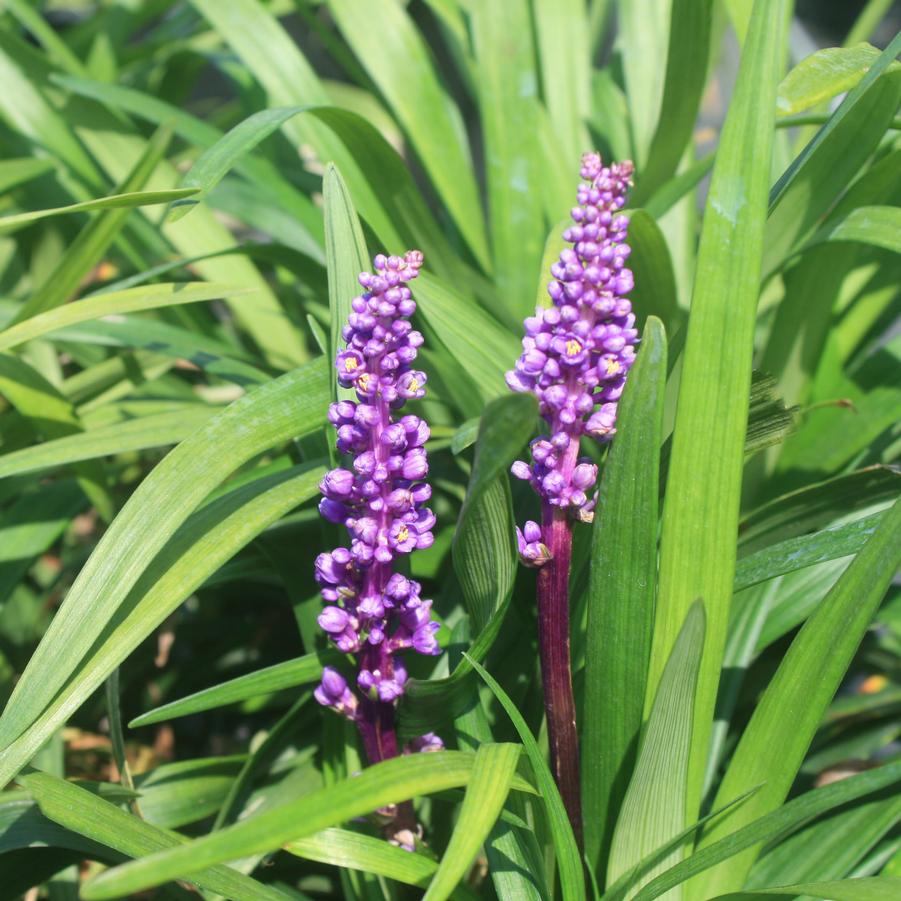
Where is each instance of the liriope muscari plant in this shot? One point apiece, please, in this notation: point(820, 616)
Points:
point(373, 611)
point(576, 354)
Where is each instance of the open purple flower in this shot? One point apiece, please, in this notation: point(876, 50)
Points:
point(373, 611)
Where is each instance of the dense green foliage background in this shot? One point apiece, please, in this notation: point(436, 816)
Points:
point(187, 193)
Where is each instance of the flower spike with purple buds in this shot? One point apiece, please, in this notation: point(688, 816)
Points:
point(371, 610)
point(576, 354)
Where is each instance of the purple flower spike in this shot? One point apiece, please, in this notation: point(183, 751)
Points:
point(371, 610)
point(576, 353)
point(575, 357)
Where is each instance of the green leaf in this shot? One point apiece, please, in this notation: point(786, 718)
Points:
point(683, 87)
point(672, 191)
point(876, 888)
point(154, 430)
point(215, 162)
point(642, 36)
point(347, 256)
point(507, 90)
point(824, 75)
point(275, 60)
point(878, 226)
point(356, 851)
point(805, 550)
point(824, 166)
point(817, 506)
point(569, 863)
point(87, 250)
point(484, 557)
point(201, 545)
point(113, 202)
point(831, 436)
point(405, 76)
point(484, 548)
point(482, 347)
point(829, 848)
point(785, 719)
point(263, 175)
point(486, 791)
point(288, 406)
point(161, 341)
point(654, 806)
point(186, 791)
point(16, 172)
point(277, 677)
point(655, 283)
point(31, 525)
point(621, 594)
point(565, 65)
point(51, 415)
point(779, 821)
point(114, 303)
point(515, 860)
point(117, 148)
point(700, 516)
point(377, 786)
point(103, 822)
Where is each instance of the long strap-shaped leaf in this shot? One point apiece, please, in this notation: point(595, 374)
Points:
point(151, 430)
point(484, 559)
point(385, 783)
point(114, 201)
point(279, 676)
point(778, 822)
point(53, 416)
point(621, 595)
point(291, 405)
point(101, 821)
point(131, 300)
point(875, 888)
point(199, 547)
point(653, 809)
point(346, 255)
point(356, 851)
point(486, 792)
point(406, 77)
point(774, 743)
point(565, 847)
point(700, 518)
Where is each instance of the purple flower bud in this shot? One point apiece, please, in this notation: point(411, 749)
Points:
point(424, 744)
point(415, 464)
point(338, 485)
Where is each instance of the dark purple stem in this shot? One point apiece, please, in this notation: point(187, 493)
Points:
point(377, 722)
point(556, 667)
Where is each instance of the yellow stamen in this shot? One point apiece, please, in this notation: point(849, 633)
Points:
point(413, 385)
point(573, 347)
point(350, 364)
point(403, 534)
point(612, 367)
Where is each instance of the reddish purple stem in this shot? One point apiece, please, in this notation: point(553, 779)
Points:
point(556, 668)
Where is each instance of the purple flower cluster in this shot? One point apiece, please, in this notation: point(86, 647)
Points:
point(373, 611)
point(576, 353)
